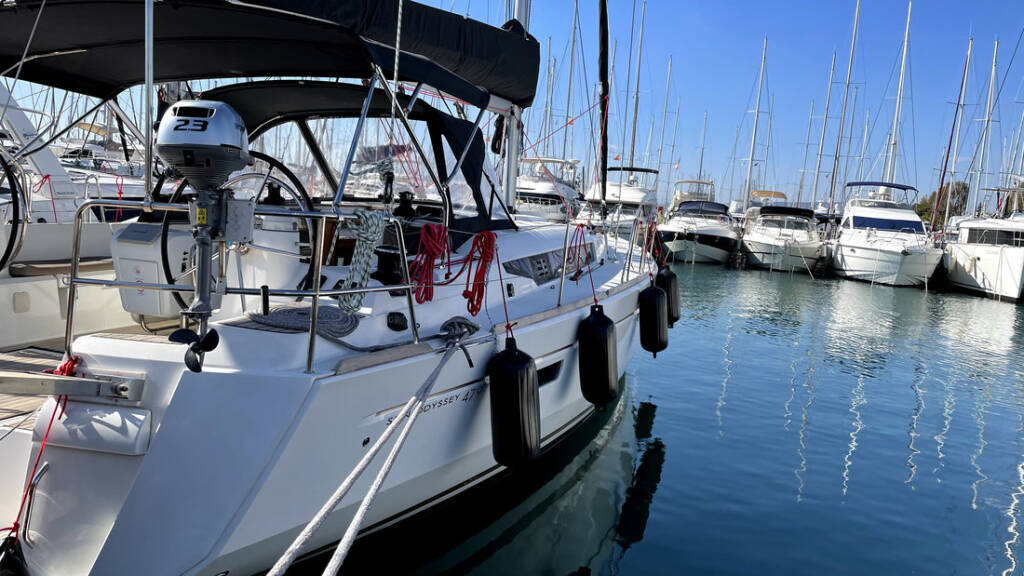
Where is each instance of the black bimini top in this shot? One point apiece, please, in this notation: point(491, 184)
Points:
point(95, 47)
point(786, 211)
point(702, 207)
point(265, 104)
point(885, 184)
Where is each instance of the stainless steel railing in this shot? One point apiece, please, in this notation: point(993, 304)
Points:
point(315, 294)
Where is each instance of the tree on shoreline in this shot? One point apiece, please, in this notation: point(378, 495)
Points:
point(957, 203)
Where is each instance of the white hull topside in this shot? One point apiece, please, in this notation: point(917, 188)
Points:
point(994, 270)
point(219, 471)
point(780, 253)
point(885, 264)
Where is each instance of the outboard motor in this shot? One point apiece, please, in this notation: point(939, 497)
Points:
point(206, 142)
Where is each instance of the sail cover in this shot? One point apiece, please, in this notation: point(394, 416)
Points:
point(95, 47)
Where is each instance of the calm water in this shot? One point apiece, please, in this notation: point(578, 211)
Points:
point(799, 427)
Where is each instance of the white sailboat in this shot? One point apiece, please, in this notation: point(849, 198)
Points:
point(142, 463)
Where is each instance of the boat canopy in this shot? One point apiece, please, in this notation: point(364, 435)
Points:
point(632, 169)
point(768, 194)
point(702, 207)
point(904, 187)
point(787, 211)
point(95, 47)
point(265, 104)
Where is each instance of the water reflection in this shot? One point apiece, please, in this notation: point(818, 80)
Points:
point(980, 406)
point(639, 496)
point(726, 348)
point(948, 408)
point(892, 382)
point(1011, 513)
point(857, 399)
point(917, 387)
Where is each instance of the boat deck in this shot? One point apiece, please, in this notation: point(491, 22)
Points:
point(19, 411)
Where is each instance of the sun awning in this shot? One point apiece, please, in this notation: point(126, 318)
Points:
point(263, 105)
point(95, 47)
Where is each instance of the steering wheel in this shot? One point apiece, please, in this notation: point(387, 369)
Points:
point(15, 211)
point(291, 185)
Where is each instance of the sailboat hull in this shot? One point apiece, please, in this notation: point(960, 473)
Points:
point(246, 453)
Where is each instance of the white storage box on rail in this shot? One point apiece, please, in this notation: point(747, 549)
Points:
point(136, 252)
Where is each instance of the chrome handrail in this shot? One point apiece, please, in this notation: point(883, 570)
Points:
point(32, 485)
point(316, 293)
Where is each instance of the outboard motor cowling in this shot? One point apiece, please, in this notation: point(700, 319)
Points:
point(206, 142)
point(203, 140)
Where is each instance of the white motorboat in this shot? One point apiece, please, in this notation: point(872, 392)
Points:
point(782, 238)
point(628, 200)
point(699, 231)
point(690, 191)
point(882, 240)
point(548, 188)
point(987, 256)
point(214, 464)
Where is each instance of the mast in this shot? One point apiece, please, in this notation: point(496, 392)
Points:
point(636, 91)
point(664, 124)
point(864, 144)
point(629, 82)
point(824, 126)
point(1012, 160)
point(807, 146)
point(753, 137)
point(768, 142)
point(842, 114)
point(602, 65)
point(703, 134)
point(672, 154)
point(514, 131)
point(732, 162)
point(849, 137)
point(149, 102)
point(568, 97)
point(986, 134)
point(545, 125)
point(954, 136)
point(894, 137)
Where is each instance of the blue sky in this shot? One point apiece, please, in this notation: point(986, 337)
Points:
point(716, 49)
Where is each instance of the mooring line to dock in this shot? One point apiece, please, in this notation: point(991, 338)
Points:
point(411, 409)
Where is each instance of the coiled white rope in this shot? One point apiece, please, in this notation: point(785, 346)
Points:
point(369, 234)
